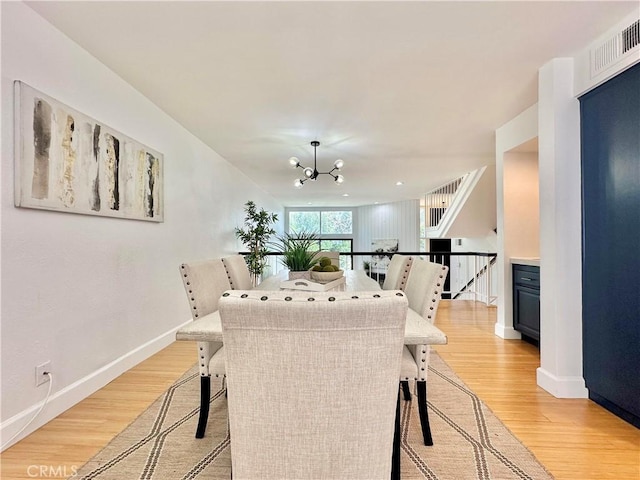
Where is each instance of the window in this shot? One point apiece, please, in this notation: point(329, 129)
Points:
point(333, 227)
point(304, 222)
point(330, 222)
point(339, 246)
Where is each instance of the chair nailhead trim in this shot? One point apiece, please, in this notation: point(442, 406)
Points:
point(244, 295)
point(376, 296)
point(310, 299)
point(355, 296)
point(399, 294)
point(225, 294)
point(287, 299)
point(332, 299)
point(264, 298)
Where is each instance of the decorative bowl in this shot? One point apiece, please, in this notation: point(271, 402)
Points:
point(325, 277)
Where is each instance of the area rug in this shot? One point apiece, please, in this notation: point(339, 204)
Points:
point(469, 441)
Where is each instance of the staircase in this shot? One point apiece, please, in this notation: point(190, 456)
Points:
point(445, 205)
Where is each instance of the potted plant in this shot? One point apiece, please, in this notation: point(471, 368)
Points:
point(255, 236)
point(298, 252)
point(367, 267)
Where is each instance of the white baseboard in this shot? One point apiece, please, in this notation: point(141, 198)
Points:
point(561, 387)
point(508, 333)
point(70, 395)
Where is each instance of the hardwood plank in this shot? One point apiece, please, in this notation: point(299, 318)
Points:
point(575, 439)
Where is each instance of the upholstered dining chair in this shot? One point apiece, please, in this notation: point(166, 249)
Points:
point(397, 272)
point(238, 272)
point(313, 383)
point(204, 282)
point(423, 290)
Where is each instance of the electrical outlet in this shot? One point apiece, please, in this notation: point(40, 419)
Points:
point(40, 373)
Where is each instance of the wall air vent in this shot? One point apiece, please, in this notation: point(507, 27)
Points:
point(614, 48)
point(631, 37)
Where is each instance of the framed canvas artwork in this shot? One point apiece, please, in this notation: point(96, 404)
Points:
point(385, 248)
point(69, 162)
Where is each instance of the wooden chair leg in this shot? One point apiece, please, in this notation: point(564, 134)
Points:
point(422, 410)
point(395, 459)
point(405, 390)
point(205, 398)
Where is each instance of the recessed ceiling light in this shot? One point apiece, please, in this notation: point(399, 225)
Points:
point(398, 183)
point(345, 194)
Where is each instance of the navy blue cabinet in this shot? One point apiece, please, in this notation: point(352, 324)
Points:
point(610, 145)
point(526, 301)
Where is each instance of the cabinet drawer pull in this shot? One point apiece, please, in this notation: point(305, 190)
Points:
point(527, 279)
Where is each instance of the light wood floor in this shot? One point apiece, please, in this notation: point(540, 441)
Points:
point(574, 439)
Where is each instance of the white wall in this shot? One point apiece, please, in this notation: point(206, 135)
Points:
point(477, 217)
point(518, 131)
point(399, 220)
point(521, 203)
point(584, 78)
point(96, 295)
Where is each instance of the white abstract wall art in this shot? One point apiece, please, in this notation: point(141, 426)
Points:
point(385, 248)
point(68, 162)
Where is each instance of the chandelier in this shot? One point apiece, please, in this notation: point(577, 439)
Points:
point(312, 173)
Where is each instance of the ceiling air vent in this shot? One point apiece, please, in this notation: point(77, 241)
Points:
point(612, 49)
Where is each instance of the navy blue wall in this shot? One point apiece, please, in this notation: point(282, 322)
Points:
point(610, 142)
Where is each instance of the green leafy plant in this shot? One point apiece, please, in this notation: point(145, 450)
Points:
point(258, 228)
point(298, 250)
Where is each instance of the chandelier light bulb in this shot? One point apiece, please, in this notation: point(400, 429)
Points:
point(313, 173)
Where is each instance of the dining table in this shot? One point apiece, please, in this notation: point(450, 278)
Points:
point(418, 330)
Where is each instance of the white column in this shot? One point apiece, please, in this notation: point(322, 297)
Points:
point(560, 371)
point(518, 131)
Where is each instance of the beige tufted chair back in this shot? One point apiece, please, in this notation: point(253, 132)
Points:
point(423, 290)
point(238, 272)
point(204, 282)
point(313, 382)
point(397, 272)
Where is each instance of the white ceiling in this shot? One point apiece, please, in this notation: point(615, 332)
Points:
point(409, 91)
